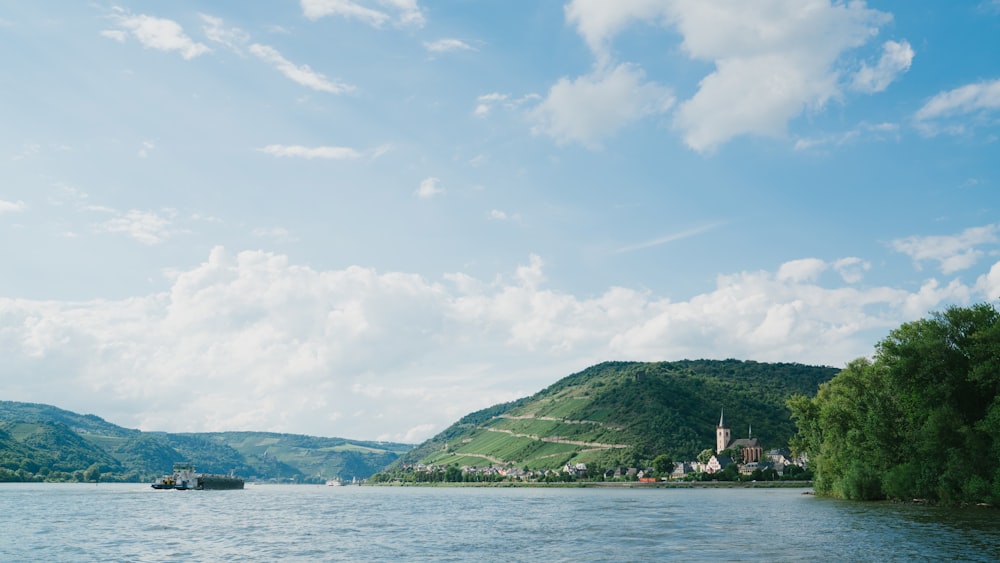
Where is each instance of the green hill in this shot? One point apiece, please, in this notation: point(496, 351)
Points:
point(626, 413)
point(42, 442)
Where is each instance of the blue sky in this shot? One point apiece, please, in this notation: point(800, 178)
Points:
point(367, 218)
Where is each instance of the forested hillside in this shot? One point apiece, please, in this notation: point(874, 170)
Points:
point(627, 413)
point(45, 443)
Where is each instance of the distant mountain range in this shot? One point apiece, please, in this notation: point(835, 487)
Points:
point(44, 442)
point(621, 414)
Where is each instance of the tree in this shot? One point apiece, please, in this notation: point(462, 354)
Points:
point(920, 420)
point(93, 473)
point(453, 474)
point(663, 465)
point(705, 456)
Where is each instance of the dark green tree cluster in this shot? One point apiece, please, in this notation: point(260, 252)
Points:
point(921, 420)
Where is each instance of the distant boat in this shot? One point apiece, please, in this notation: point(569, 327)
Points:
point(185, 477)
point(333, 482)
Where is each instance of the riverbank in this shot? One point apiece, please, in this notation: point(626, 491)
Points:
point(615, 484)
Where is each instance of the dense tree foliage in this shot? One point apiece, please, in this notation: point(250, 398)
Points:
point(919, 420)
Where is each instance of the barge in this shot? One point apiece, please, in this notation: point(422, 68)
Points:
point(186, 478)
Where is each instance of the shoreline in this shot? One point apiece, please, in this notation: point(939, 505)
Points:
point(615, 485)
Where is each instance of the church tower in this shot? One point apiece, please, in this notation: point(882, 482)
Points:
point(722, 434)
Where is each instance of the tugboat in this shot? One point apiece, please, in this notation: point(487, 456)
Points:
point(184, 478)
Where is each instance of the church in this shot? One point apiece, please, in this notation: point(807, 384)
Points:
point(750, 447)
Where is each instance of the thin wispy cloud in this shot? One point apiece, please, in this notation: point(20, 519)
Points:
point(300, 74)
point(12, 206)
point(145, 227)
point(155, 33)
point(955, 110)
point(375, 14)
point(447, 45)
point(299, 151)
point(668, 238)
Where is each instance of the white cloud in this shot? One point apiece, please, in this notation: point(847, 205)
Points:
point(877, 131)
point(12, 206)
point(145, 149)
point(668, 238)
point(406, 12)
point(115, 34)
point(852, 269)
point(972, 101)
point(156, 33)
point(952, 252)
point(279, 234)
point(804, 270)
point(332, 153)
point(232, 37)
point(447, 45)
point(773, 59)
point(598, 104)
point(299, 74)
point(143, 226)
point(486, 102)
point(429, 188)
point(896, 59)
point(599, 20)
point(272, 345)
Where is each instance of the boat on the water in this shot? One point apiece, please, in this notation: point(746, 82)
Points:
point(185, 478)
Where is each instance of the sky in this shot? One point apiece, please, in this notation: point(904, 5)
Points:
point(368, 218)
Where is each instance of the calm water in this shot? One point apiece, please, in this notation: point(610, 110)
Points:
point(47, 522)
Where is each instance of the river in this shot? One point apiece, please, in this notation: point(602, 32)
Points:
point(132, 522)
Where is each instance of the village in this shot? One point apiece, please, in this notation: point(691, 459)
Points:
point(731, 460)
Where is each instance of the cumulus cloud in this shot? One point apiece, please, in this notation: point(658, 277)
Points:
point(12, 206)
point(155, 33)
point(772, 60)
point(429, 188)
point(950, 111)
point(896, 59)
point(952, 252)
point(298, 151)
point(596, 105)
point(300, 74)
point(402, 12)
point(272, 345)
point(598, 20)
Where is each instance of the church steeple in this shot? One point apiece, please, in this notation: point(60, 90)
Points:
point(722, 433)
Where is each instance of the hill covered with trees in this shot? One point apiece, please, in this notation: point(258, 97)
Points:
point(625, 414)
point(921, 420)
point(44, 443)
